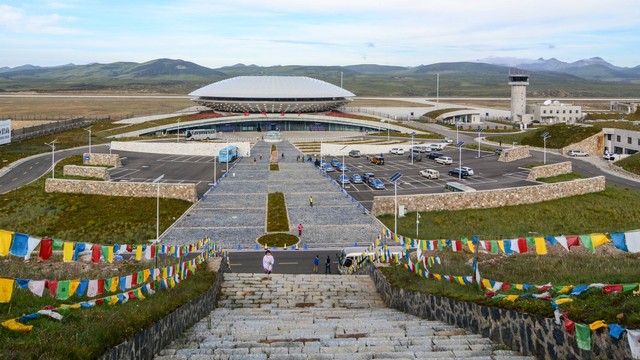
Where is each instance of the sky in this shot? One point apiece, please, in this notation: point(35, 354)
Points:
point(316, 32)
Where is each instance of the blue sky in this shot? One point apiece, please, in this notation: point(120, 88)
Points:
point(325, 32)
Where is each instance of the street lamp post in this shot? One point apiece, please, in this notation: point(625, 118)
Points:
point(459, 144)
point(53, 160)
point(343, 165)
point(89, 130)
point(157, 182)
point(413, 133)
point(456, 122)
point(178, 132)
point(394, 178)
point(227, 147)
point(479, 131)
point(545, 136)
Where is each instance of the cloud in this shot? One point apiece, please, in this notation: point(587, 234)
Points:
point(15, 20)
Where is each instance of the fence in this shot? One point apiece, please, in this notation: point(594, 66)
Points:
point(54, 127)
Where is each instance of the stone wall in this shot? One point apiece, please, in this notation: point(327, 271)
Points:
point(94, 159)
point(489, 198)
point(594, 145)
point(196, 148)
point(545, 171)
point(86, 171)
point(513, 154)
point(169, 191)
point(528, 334)
point(148, 342)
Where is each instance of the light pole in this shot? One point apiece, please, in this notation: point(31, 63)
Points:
point(157, 182)
point(343, 165)
point(178, 132)
point(456, 122)
point(89, 130)
point(413, 133)
point(394, 178)
point(227, 147)
point(53, 160)
point(545, 136)
point(417, 222)
point(459, 144)
point(479, 131)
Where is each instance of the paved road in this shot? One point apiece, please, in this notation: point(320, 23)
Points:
point(287, 261)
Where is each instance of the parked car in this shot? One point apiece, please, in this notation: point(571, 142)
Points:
point(354, 153)
point(355, 179)
point(498, 151)
point(396, 150)
point(434, 155)
point(437, 147)
point(376, 184)
point(378, 160)
point(323, 163)
point(343, 179)
point(458, 173)
point(430, 173)
point(447, 140)
point(468, 170)
point(444, 160)
point(416, 157)
point(400, 151)
point(367, 176)
point(612, 157)
point(342, 167)
point(329, 168)
point(335, 163)
point(575, 153)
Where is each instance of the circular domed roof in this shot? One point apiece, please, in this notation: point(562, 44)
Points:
point(272, 87)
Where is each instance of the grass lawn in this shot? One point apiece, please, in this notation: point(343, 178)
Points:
point(605, 211)
point(561, 135)
point(631, 163)
point(277, 218)
point(278, 240)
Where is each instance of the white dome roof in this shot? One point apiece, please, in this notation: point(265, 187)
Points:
point(272, 87)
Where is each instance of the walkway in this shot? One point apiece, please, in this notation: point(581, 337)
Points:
point(234, 213)
point(319, 317)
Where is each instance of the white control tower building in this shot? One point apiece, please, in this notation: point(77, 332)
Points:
point(519, 83)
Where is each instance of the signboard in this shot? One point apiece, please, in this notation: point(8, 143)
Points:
point(395, 177)
point(5, 132)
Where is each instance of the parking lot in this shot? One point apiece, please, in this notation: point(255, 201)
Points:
point(488, 173)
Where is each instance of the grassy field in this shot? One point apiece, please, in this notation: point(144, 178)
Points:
point(631, 163)
point(561, 135)
point(277, 219)
point(63, 107)
point(606, 211)
point(385, 103)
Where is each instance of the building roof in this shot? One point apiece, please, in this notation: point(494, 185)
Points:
point(272, 87)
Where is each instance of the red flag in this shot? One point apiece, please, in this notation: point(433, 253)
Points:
point(282, 113)
point(134, 279)
point(129, 248)
point(610, 289)
point(522, 245)
point(153, 251)
point(456, 245)
point(569, 325)
point(506, 286)
point(264, 113)
point(52, 285)
point(99, 301)
point(572, 240)
point(46, 249)
point(100, 286)
point(95, 253)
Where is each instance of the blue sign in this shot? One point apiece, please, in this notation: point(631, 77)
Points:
point(460, 143)
point(545, 134)
point(413, 133)
point(395, 177)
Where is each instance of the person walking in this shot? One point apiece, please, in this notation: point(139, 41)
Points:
point(311, 201)
point(267, 262)
point(327, 265)
point(260, 156)
point(300, 227)
point(254, 161)
point(316, 262)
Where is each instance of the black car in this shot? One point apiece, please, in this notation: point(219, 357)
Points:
point(435, 155)
point(416, 157)
point(367, 176)
point(462, 173)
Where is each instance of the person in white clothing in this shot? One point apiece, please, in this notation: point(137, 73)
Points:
point(267, 262)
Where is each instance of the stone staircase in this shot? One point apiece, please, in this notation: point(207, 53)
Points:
point(319, 317)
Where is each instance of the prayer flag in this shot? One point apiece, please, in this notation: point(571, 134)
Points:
point(618, 241)
point(585, 240)
point(57, 245)
point(552, 240)
point(36, 287)
point(73, 286)
point(95, 253)
point(562, 240)
point(583, 336)
point(599, 239)
point(611, 289)
point(52, 285)
point(13, 324)
point(19, 245)
point(67, 251)
point(82, 287)
point(6, 290)
point(92, 289)
point(107, 253)
point(77, 250)
point(569, 325)
point(100, 286)
point(5, 242)
point(139, 252)
point(615, 331)
point(541, 246)
point(32, 243)
point(634, 342)
point(632, 239)
point(597, 325)
point(63, 290)
point(456, 245)
point(46, 249)
point(572, 240)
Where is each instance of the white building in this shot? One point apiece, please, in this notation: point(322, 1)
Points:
point(555, 112)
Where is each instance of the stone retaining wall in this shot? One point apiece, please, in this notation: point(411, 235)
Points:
point(101, 159)
point(513, 154)
point(86, 171)
point(148, 342)
point(550, 170)
point(529, 334)
point(196, 148)
point(489, 198)
point(169, 191)
point(594, 145)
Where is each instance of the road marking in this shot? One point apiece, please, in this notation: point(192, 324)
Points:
point(288, 263)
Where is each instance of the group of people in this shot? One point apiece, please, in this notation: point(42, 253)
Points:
point(268, 261)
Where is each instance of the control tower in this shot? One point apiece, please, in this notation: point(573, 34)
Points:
point(518, 83)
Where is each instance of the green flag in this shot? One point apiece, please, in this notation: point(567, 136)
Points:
point(63, 290)
point(57, 244)
point(531, 242)
point(585, 240)
point(583, 336)
point(494, 247)
point(107, 284)
point(629, 287)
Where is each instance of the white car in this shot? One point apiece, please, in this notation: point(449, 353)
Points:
point(447, 140)
point(577, 153)
point(612, 157)
point(468, 169)
point(430, 173)
point(397, 151)
point(437, 147)
point(444, 160)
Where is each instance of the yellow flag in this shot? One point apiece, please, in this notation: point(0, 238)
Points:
point(563, 301)
point(114, 284)
point(437, 276)
point(113, 300)
point(139, 252)
point(501, 246)
point(511, 298)
point(597, 325)
point(487, 284)
point(13, 324)
point(565, 289)
point(5, 242)
point(6, 290)
point(460, 280)
point(67, 251)
point(599, 239)
point(145, 274)
point(471, 247)
point(73, 285)
point(541, 247)
point(519, 287)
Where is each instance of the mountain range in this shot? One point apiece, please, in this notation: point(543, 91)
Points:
point(487, 77)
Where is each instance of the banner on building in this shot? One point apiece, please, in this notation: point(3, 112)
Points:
point(5, 132)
